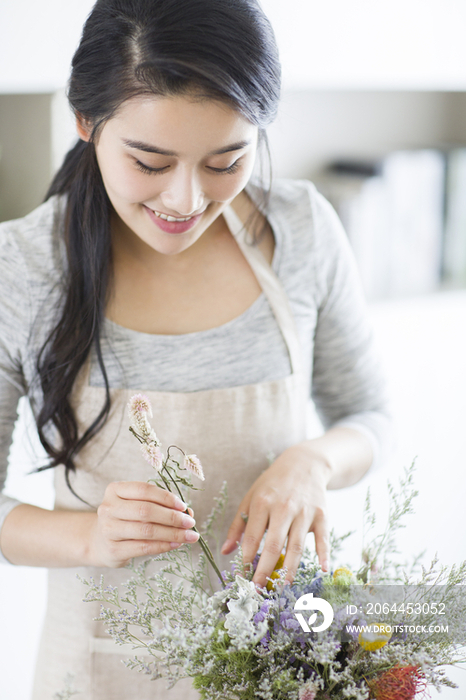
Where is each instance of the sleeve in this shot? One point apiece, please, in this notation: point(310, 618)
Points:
point(348, 387)
point(14, 314)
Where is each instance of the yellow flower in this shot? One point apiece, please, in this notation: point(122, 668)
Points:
point(378, 638)
point(343, 576)
point(275, 574)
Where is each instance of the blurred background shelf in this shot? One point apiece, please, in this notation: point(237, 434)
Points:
point(393, 163)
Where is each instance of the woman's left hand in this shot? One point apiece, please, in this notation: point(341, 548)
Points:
point(288, 500)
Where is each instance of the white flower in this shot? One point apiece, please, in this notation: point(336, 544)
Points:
point(247, 588)
point(153, 437)
point(152, 454)
point(243, 608)
point(217, 600)
point(193, 464)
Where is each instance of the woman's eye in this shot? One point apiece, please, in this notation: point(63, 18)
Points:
point(231, 168)
point(146, 169)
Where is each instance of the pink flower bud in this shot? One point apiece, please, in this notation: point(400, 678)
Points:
point(152, 454)
point(193, 464)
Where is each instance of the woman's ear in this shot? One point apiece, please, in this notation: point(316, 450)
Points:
point(83, 128)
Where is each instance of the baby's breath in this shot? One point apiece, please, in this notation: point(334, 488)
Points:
point(245, 643)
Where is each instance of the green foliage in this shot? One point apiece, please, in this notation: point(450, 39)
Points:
point(380, 552)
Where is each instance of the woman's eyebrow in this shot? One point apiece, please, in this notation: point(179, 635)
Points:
point(148, 148)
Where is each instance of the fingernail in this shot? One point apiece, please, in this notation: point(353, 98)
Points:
point(181, 505)
point(188, 521)
point(225, 546)
point(325, 565)
point(175, 544)
point(191, 536)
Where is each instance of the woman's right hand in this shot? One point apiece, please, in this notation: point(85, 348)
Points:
point(138, 519)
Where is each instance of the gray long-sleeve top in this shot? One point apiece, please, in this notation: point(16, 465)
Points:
point(315, 265)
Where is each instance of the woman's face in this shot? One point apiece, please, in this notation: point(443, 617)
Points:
point(171, 165)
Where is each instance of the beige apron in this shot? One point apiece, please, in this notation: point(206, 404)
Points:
point(233, 431)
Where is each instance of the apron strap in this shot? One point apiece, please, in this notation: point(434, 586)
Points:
point(272, 288)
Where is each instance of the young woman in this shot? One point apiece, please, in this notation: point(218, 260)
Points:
point(157, 265)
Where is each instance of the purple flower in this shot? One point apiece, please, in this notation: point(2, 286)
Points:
point(262, 613)
point(289, 622)
point(292, 624)
point(265, 640)
point(225, 577)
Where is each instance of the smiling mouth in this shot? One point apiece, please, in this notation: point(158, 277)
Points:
point(165, 217)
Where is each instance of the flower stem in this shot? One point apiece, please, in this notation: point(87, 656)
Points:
point(202, 541)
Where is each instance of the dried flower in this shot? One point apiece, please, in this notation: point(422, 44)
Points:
point(193, 464)
point(139, 409)
point(308, 691)
point(169, 479)
point(139, 404)
point(371, 641)
point(152, 454)
point(275, 574)
point(398, 683)
point(343, 576)
point(243, 608)
point(242, 641)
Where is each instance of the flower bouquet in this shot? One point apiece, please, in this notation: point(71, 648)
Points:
point(374, 632)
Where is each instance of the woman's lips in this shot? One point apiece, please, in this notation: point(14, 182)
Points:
point(173, 226)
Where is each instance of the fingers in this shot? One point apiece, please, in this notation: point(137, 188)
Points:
point(118, 554)
point(236, 530)
point(321, 535)
point(297, 543)
point(145, 512)
point(139, 519)
point(140, 491)
point(123, 530)
point(283, 524)
point(273, 545)
point(296, 531)
point(254, 531)
point(295, 548)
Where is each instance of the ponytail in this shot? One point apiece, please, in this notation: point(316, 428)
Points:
point(88, 245)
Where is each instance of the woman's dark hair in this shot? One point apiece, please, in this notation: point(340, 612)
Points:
point(220, 49)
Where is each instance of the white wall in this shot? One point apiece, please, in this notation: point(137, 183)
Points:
point(371, 44)
point(336, 44)
point(37, 41)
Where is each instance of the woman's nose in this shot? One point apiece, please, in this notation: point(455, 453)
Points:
point(183, 194)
